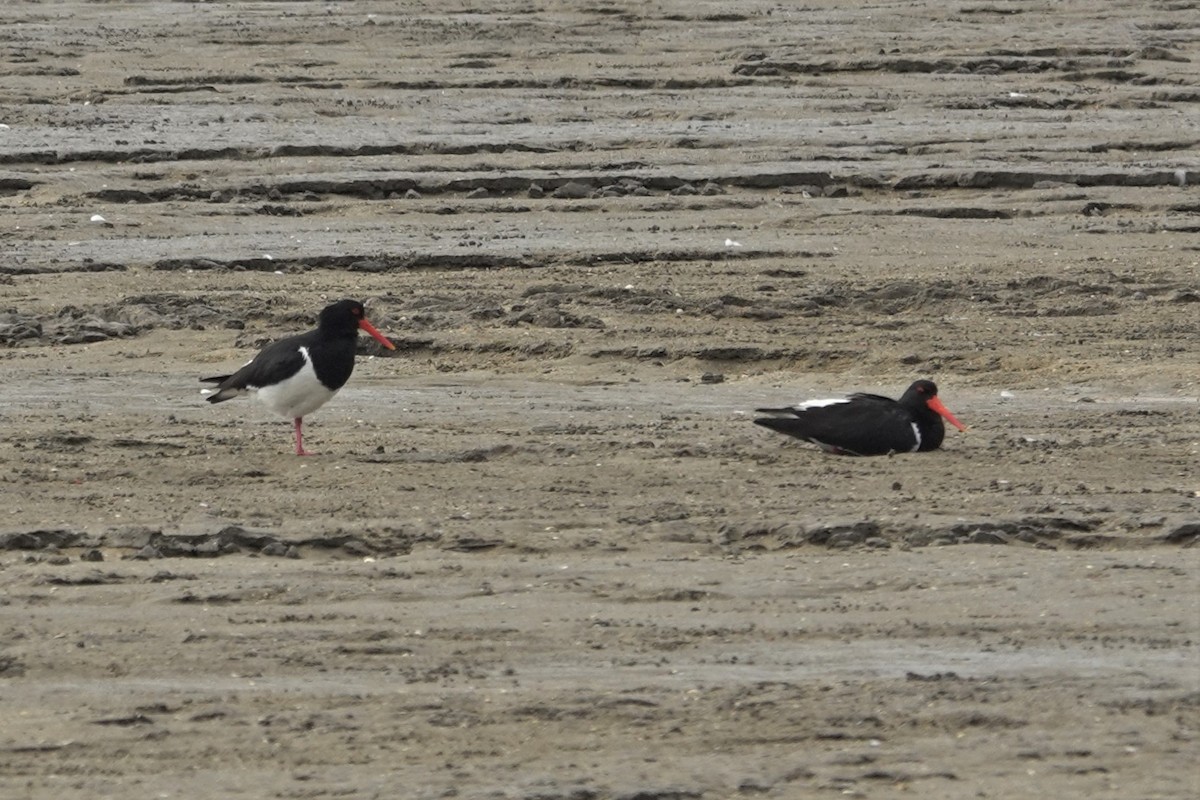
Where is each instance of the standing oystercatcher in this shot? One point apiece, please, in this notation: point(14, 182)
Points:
point(297, 375)
point(867, 424)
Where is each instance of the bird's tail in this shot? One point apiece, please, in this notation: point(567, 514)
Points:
point(788, 411)
point(792, 426)
point(218, 395)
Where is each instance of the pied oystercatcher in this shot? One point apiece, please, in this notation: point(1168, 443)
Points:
point(297, 375)
point(867, 424)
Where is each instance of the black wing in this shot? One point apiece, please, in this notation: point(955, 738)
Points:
point(868, 425)
point(277, 362)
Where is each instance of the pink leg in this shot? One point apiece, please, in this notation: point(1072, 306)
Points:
point(298, 423)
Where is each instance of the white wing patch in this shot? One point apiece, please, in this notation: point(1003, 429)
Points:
point(807, 404)
point(917, 437)
point(791, 411)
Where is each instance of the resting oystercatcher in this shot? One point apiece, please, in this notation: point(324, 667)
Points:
point(867, 424)
point(297, 375)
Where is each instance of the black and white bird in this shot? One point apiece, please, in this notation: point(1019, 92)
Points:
point(297, 375)
point(867, 424)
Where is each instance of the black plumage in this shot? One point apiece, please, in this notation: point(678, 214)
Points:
point(867, 424)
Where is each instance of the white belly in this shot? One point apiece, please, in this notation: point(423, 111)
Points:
point(299, 395)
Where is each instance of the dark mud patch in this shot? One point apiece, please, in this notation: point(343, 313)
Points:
point(1045, 533)
point(148, 544)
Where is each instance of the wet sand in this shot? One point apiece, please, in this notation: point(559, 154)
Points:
point(543, 552)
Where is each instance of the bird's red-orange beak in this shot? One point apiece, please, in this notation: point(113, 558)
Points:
point(379, 337)
point(937, 406)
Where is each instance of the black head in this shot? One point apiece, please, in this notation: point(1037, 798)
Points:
point(922, 399)
point(917, 397)
point(342, 318)
point(924, 389)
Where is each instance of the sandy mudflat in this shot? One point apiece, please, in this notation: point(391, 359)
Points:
point(543, 553)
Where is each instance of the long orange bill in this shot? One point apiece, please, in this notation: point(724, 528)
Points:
point(369, 328)
point(937, 406)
